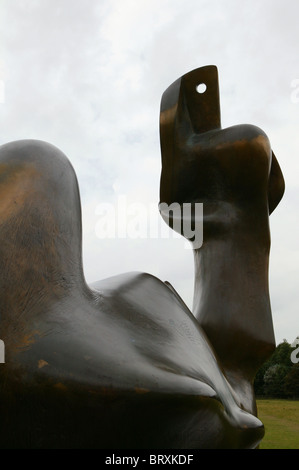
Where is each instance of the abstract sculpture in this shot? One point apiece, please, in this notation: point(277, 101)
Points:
point(124, 363)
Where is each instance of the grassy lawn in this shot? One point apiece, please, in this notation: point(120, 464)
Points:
point(281, 421)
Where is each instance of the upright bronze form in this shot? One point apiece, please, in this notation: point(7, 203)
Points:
point(123, 363)
point(236, 176)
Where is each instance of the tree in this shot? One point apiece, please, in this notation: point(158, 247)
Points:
point(259, 383)
point(291, 382)
point(274, 380)
point(269, 379)
point(282, 354)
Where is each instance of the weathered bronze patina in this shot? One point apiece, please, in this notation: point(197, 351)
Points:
point(123, 363)
point(236, 176)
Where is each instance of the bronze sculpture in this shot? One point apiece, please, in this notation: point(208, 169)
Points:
point(123, 363)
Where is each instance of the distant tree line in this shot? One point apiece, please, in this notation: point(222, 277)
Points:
point(279, 376)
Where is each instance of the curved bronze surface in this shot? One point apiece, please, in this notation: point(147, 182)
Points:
point(123, 363)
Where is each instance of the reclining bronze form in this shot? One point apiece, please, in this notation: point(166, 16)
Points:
point(123, 363)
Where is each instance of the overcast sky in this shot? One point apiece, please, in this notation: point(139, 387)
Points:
point(88, 77)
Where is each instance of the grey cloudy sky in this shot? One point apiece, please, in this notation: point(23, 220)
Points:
point(88, 76)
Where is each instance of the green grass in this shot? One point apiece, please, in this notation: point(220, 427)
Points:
point(281, 421)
